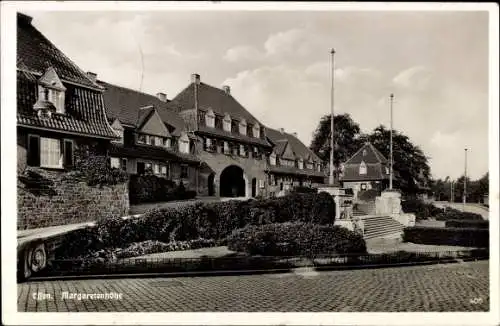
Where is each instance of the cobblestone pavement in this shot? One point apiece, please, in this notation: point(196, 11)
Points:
point(447, 287)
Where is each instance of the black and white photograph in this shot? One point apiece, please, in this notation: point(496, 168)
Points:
point(270, 158)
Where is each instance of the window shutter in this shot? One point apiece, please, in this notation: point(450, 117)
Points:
point(68, 153)
point(33, 151)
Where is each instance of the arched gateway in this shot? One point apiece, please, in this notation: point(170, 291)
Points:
point(232, 182)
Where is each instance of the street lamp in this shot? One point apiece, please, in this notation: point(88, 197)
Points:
point(390, 150)
point(465, 179)
point(332, 177)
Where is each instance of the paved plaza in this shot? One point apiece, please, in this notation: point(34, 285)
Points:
point(445, 287)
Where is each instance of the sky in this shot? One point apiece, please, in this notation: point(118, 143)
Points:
point(278, 65)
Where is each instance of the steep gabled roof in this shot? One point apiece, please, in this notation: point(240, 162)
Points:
point(125, 105)
point(372, 156)
point(84, 111)
point(36, 53)
point(210, 97)
point(373, 172)
point(280, 140)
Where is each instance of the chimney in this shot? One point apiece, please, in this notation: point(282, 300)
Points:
point(227, 89)
point(92, 76)
point(282, 130)
point(195, 78)
point(162, 96)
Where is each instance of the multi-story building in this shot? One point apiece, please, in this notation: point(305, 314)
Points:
point(153, 138)
point(244, 158)
point(291, 163)
point(366, 169)
point(59, 108)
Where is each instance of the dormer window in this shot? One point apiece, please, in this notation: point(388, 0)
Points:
point(243, 127)
point(51, 90)
point(184, 144)
point(362, 168)
point(301, 164)
point(226, 123)
point(364, 152)
point(210, 119)
point(256, 130)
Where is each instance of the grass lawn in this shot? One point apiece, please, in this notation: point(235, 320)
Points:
point(212, 252)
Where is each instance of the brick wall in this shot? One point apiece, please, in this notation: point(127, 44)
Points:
point(47, 198)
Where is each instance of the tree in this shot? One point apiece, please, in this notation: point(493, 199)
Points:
point(411, 167)
point(346, 135)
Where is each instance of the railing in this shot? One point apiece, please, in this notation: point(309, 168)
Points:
point(241, 263)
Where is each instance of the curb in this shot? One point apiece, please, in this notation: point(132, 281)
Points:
point(248, 272)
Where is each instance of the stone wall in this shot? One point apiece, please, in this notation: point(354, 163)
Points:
point(48, 198)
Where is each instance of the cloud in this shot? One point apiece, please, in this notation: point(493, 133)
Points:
point(242, 53)
point(416, 78)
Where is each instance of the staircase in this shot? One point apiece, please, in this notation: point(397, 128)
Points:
point(381, 226)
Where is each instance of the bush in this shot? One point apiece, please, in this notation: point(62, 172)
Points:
point(290, 239)
point(454, 214)
point(305, 190)
point(151, 188)
point(478, 224)
point(466, 237)
point(368, 195)
point(420, 208)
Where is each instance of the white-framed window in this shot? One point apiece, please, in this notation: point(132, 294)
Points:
point(114, 162)
point(256, 130)
point(310, 166)
point(50, 153)
point(156, 169)
point(272, 159)
point(243, 127)
point(362, 168)
point(226, 123)
point(210, 119)
point(227, 150)
point(301, 164)
point(166, 142)
point(184, 146)
point(54, 96)
point(261, 183)
point(164, 170)
point(148, 167)
point(242, 150)
point(318, 167)
point(208, 144)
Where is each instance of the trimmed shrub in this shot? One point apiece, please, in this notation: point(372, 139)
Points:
point(466, 237)
point(305, 190)
point(323, 210)
point(454, 214)
point(290, 239)
point(151, 188)
point(478, 224)
point(421, 209)
point(368, 195)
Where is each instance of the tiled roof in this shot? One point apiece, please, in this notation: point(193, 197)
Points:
point(300, 150)
point(294, 171)
point(374, 171)
point(151, 152)
point(372, 155)
point(37, 53)
point(125, 104)
point(84, 110)
point(210, 97)
point(232, 136)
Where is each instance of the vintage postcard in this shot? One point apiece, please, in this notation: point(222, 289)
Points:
point(249, 163)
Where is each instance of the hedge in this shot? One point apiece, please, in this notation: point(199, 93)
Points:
point(466, 237)
point(294, 239)
point(420, 208)
point(305, 190)
point(478, 224)
point(151, 188)
point(454, 214)
point(204, 220)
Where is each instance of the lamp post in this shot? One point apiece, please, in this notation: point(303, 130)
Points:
point(465, 179)
point(332, 143)
point(390, 149)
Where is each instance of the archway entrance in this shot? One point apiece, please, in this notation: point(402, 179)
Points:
point(232, 183)
point(211, 188)
point(254, 187)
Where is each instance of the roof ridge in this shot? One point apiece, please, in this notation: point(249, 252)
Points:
point(127, 88)
point(356, 153)
point(66, 57)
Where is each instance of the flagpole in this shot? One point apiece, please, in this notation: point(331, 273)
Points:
point(465, 179)
point(391, 155)
point(332, 177)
